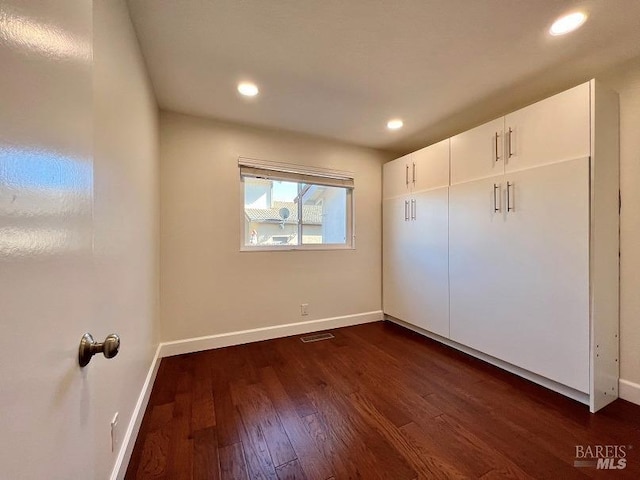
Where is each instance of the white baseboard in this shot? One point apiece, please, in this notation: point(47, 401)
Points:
point(545, 382)
point(129, 440)
point(629, 391)
point(198, 344)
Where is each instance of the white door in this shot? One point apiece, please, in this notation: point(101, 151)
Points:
point(46, 229)
point(397, 177)
point(395, 258)
point(553, 130)
point(478, 153)
point(427, 281)
point(542, 324)
point(430, 166)
point(476, 262)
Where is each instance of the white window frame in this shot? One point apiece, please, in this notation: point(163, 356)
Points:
point(301, 174)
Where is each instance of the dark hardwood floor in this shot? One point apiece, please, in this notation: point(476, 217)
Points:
point(377, 401)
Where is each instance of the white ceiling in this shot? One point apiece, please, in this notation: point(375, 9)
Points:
point(342, 68)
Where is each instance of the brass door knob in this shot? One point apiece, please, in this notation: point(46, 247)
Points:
point(89, 347)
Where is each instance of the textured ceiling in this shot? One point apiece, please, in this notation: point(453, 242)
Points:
point(341, 68)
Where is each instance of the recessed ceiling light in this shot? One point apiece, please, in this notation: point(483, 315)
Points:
point(395, 124)
point(248, 89)
point(568, 23)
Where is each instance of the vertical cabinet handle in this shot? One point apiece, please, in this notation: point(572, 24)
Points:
point(509, 142)
point(413, 209)
point(497, 157)
point(406, 210)
point(414, 173)
point(406, 174)
point(510, 201)
point(496, 194)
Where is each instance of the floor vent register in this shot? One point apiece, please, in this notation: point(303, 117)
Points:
point(316, 338)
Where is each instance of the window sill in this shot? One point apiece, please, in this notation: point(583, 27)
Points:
point(298, 248)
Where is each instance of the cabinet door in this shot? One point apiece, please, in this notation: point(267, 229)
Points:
point(478, 153)
point(542, 323)
point(396, 177)
point(553, 130)
point(427, 272)
point(395, 257)
point(476, 264)
point(430, 167)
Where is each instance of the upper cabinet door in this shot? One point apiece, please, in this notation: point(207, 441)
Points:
point(553, 130)
point(397, 177)
point(478, 153)
point(430, 167)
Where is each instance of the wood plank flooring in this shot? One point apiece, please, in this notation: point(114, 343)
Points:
point(375, 402)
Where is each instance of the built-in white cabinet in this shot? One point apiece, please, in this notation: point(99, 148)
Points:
point(415, 239)
point(424, 169)
point(526, 252)
point(519, 277)
point(554, 129)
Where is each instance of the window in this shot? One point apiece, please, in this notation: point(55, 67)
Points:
point(290, 207)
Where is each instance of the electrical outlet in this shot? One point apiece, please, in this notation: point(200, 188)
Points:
point(115, 437)
point(304, 309)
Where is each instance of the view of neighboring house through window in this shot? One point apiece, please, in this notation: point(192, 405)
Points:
point(295, 209)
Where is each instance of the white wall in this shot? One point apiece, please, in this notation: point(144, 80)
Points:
point(126, 223)
point(207, 285)
point(78, 233)
point(626, 81)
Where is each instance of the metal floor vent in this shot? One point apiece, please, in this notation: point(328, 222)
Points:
point(317, 337)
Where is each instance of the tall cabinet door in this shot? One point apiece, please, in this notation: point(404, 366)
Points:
point(477, 227)
point(395, 256)
point(427, 272)
point(543, 320)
